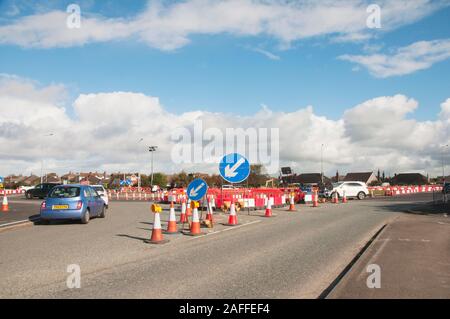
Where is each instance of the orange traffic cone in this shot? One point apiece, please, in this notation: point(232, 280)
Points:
point(232, 219)
point(315, 199)
point(292, 204)
point(183, 217)
point(209, 215)
point(172, 225)
point(189, 209)
point(157, 237)
point(269, 208)
point(5, 206)
point(195, 225)
point(344, 198)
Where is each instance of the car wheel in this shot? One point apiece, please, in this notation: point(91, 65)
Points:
point(85, 219)
point(361, 195)
point(102, 213)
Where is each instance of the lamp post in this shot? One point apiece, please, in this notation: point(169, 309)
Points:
point(443, 163)
point(152, 149)
point(42, 158)
point(139, 172)
point(321, 163)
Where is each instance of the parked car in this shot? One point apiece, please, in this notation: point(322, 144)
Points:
point(352, 189)
point(102, 192)
point(41, 190)
point(446, 188)
point(77, 202)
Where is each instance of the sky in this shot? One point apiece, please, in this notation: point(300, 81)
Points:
point(83, 98)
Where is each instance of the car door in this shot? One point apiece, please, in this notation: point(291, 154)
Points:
point(98, 201)
point(35, 191)
point(350, 189)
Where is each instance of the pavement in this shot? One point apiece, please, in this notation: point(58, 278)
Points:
point(293, 255)
point(412, 253)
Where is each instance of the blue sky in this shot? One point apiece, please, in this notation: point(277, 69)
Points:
point(380, 97)
point(222, 72)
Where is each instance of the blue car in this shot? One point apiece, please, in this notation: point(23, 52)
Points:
point(76, 202)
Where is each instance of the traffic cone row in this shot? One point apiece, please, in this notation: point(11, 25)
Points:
point(291, 203)
point(183, 216)
point(157, 236)
point(209, 215)
point(195, 224)
point(269, 208)
point(172, 225)
point(232, 218)
point(5, 206)
point(315, 199)
point(344, 198)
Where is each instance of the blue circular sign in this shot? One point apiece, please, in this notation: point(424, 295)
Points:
point(197, 189)
point(234, 168)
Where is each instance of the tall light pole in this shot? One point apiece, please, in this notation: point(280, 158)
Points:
point(152, 149)
point(444, 199)
point(139, 171)
point(443, 163)
point(42, 158)
point(321, 163)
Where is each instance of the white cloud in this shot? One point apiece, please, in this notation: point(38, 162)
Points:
point(103, 133)
point(267, 54)
point(409, 59)
point(169, 26)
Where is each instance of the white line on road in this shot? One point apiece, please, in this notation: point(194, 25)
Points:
point(227, 229)
point(18, 222)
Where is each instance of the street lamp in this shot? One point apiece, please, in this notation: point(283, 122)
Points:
point(443, 173)
point(139, 172)
point(152, 149)
point(42, 158)
point(443, 163)
point(321, 163)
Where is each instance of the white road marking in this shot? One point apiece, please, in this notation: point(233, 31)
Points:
point(227, 229)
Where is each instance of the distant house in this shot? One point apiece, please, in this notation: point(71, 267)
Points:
point(409, 179)
point(52, 178)
point(31, 180)
point(365, 177)
point(311, 179)
point(70, 178)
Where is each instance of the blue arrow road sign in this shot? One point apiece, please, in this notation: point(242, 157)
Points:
point(234, 168)
point(197, 189)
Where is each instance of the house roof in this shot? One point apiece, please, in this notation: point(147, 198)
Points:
point(358, 177)
point(310, 178)
point(409, 178)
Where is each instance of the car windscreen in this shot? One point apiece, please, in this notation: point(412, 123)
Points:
point(65, 192)
point(98, 188)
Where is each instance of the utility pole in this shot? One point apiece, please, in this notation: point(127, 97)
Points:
point(443, 164)
point(152, 149)
point(321, 163)
point(139, 171)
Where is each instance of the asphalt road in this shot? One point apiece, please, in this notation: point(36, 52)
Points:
point(20, 209)
point(293, 255)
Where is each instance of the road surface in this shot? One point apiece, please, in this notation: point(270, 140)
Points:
point(293, 255)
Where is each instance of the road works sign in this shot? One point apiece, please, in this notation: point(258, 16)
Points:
point(234, 168)
point(197, 189)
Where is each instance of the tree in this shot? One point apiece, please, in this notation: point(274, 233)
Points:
point(258, 176)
